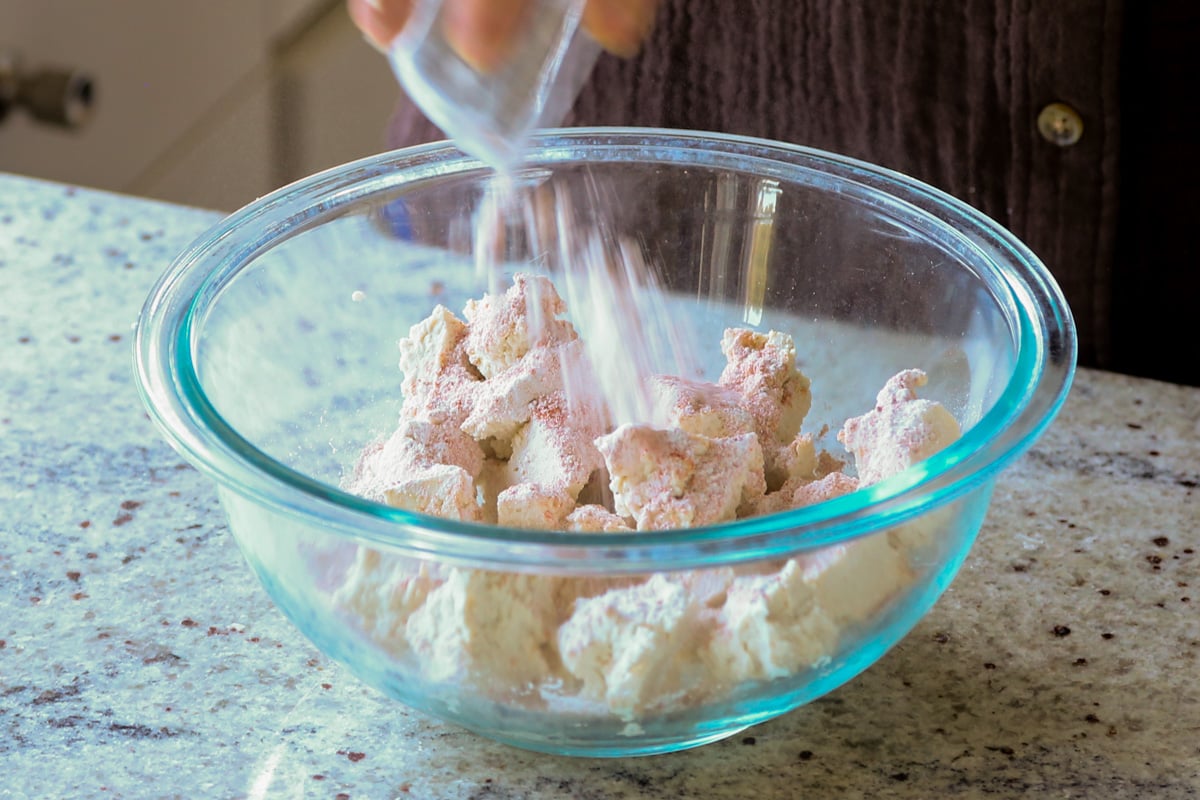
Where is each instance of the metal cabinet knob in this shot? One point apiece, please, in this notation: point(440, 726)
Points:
point(62, 97)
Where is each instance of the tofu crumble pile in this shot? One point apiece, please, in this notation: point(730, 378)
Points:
point(501, 423)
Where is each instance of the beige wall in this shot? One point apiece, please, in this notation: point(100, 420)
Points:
point(209, 104)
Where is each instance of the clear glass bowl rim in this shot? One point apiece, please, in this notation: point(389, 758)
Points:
point(166, 376)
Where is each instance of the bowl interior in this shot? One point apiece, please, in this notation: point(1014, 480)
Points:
point(295, 343)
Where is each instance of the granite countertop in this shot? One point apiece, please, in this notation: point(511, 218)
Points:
point(140, 658)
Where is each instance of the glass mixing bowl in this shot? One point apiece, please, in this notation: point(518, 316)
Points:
point(267, 354)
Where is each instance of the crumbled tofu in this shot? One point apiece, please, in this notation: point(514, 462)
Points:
point(441, 490)
point(673, 479)
point(900, 431)
point(592, 518)
point(481, 626)
point(634, 649)
point(423, 467)
point(416, 444)
point(504, 328)
point(529, 505)
point(770, 626)
point(503, 402)
point(705, 409)
point(791, 462)
point(439, 382)
point(762, 368)
point(499, 424)
point(852, 581)
point(382, 591)
point(798, 493)
point(553, 450)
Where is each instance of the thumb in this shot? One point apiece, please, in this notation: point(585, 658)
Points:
point(379, 20)
point(619, 26)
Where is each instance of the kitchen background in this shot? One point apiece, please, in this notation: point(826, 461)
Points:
point(207, 103)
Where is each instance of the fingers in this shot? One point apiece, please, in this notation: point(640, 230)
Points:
point(379, 20)
point(483, 32)
point(620, 26)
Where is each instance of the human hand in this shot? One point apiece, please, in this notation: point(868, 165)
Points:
point(483, 31)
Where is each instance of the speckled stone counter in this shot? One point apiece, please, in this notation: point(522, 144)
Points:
point(139, 657)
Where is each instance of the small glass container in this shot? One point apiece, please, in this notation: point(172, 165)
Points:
point(489, 114)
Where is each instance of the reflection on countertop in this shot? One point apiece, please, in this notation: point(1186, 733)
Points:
point(137, 650)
